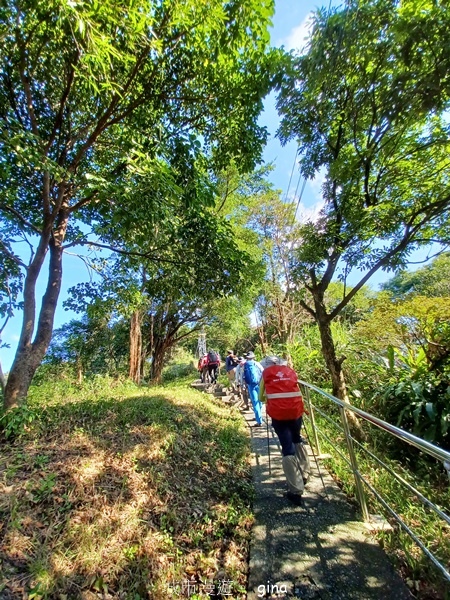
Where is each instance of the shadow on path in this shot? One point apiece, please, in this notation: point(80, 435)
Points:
point(320, 550)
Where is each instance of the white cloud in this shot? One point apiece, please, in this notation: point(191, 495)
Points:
point(310, 213)
point(14, 337)
point(317, 183)
point(299, 35)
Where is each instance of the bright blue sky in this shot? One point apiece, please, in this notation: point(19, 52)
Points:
point(290, 28)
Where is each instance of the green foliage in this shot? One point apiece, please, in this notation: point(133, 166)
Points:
point(180, 366)
point(342, 97)
point(420, 405)
point(362, 123)
point(98, 344)
point(229, 325)
point(307, 357)
point(356, 309)
point(402, 363)
point(18, 421)
point(363, 368)
point(114, 117)
point(417, 397)
point(431, 280)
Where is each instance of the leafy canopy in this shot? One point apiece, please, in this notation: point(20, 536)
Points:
point(358, 105)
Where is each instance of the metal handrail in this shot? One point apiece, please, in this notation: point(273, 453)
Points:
point(427, 447)
point(360, 481)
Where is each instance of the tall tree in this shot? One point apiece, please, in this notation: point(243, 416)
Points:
point(359, 105)
point(279, 313)
point(166, 286)
point(91, 96)
point(266, 227)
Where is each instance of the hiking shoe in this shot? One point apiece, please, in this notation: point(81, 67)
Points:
point(294, 498)
point(257, 425)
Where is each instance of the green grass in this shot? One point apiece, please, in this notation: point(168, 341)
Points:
point(114, 488)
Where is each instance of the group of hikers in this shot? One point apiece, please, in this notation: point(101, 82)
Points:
point(209, 366)
point(273, 382)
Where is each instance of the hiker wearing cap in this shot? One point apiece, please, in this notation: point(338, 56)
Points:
point(279, 385)
point(202, 367)
point(240, 383)
point(231, 362)
point(252, 376)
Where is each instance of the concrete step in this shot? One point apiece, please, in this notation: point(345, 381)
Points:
point(237, 402)
point(199, 386)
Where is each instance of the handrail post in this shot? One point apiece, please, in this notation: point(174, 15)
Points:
point(351, 451)
point(447, 468)
point(312, 419)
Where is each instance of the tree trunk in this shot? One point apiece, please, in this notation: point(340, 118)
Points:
point(334, 366)
point(262, 339)
point(79, 371)
point(2, 380)
point(159, 354)
point(135, 373)
point(29, 353)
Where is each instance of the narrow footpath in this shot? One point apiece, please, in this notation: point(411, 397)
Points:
point(320, 550)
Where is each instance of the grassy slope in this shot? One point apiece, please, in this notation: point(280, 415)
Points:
point(118, 491)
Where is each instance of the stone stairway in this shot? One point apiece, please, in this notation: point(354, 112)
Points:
point(226, 394)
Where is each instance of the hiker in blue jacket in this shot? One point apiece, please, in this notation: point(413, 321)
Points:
point(252, 376)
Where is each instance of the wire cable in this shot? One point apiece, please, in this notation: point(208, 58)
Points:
point(299, 200)
point(292, 172)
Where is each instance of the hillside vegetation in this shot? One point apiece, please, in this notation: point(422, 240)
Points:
point(116, 491)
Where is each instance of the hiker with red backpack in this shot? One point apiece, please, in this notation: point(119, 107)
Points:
point(202, 367)
point(280, 387)
point(213, 365)
point(252, 376)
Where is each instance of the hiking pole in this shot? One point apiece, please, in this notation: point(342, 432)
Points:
point(315, 459)
point(268, 444)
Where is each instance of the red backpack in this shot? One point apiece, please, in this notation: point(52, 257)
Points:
point(284, 399)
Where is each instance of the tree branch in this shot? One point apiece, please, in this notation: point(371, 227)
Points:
point(59, 116)
point(12, 256)
point(148, 256)
point(83, 202)
point(308, 308)
point(104, 122)
point(193, 330)
point(408, 235)
point(9, 312)
point(14, 212)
